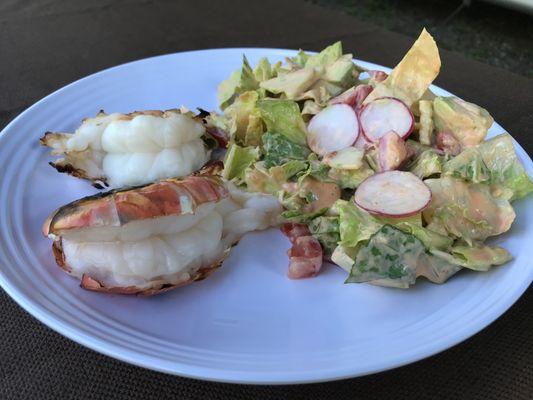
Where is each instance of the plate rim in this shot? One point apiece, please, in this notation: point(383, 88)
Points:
point(49, 319)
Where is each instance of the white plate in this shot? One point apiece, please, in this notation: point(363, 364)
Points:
point(248, 322)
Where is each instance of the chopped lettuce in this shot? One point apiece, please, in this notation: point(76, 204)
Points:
point(430, 239)
point(258, 179)
point(466, 210)
point(340, 72)
point(292, 84)
point(300, 59)
point(355, 224)
point(389, 254)
point(279, 150)
point(243, 119)
point(344, 257)
point(467, 122)
point(326, 56)
point(394, 258)
point(292, 168)
point(239, 81)
point(427, 164)
point(302, 217)
point(480, 258)
point(227, 89)
point(410, 79)
point(350, 178)
point(468, 165)
point(505, 168)
point(283, 116)
point(326, 230)
point(237, 160)
point(263, 70)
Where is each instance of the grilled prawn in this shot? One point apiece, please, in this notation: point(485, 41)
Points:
point(151, 239)
point(118, 150)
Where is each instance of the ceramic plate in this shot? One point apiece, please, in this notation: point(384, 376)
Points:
point(248, 322)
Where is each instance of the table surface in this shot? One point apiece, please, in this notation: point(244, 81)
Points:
point(47, 44)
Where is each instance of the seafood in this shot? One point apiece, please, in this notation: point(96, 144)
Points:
point(119, 150)
point(150, 239)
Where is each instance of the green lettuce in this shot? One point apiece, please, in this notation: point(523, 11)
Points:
point(467, 122)
point(477, 258)
point(237, 160)
point(239, 81)
point(505, 168)
point(326, 56)
point(468, 165)
point(243, 120)
point(427, 164)
point(283, 116)
point(389, 254)
point(350, 179)
point(292, 84)
point(301, 216)
point(263, 70)
point(480, 258)
point(299, 59)
point(394, 258)
point(326, 230)
point(355, 224)
point(279, 150)
point(466, 210)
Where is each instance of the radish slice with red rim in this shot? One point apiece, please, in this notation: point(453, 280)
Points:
point(393, 194)
point(332, 129)
point(383, 115)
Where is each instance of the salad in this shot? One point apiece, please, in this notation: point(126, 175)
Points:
point(375, 172)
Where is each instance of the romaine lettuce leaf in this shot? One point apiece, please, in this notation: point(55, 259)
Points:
point(302, 217)
point(326, 230)
point(505, 168)
point(244, 119)
point(466, 210)
point(263, 70)
point(237, 160)
point(283, 116)
point(326, 56)
point(279, 150)
point(350, 179)
point(467, 122)
point(239, 81)
point(300, 59)
point(410, 79)
point(480, 258)
point(394, 258)
point(468, 165)
point(427, 164)
point(389, 254)
point(292, 84)
point(355, 224)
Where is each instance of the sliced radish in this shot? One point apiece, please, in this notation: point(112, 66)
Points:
point(383, 115)
point(362, 143)
point(348, 158)
point(354, 96)
point(392, 151)
point(393, 194)
point(332, 129)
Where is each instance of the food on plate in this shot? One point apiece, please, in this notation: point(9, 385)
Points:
point(369, 170)
point(154, 238)
point(375, 172)
point(305, 255)
point(118, 150)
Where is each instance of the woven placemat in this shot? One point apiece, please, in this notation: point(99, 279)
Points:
point(44, 45)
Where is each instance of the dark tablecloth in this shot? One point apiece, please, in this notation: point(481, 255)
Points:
point(47, 44)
